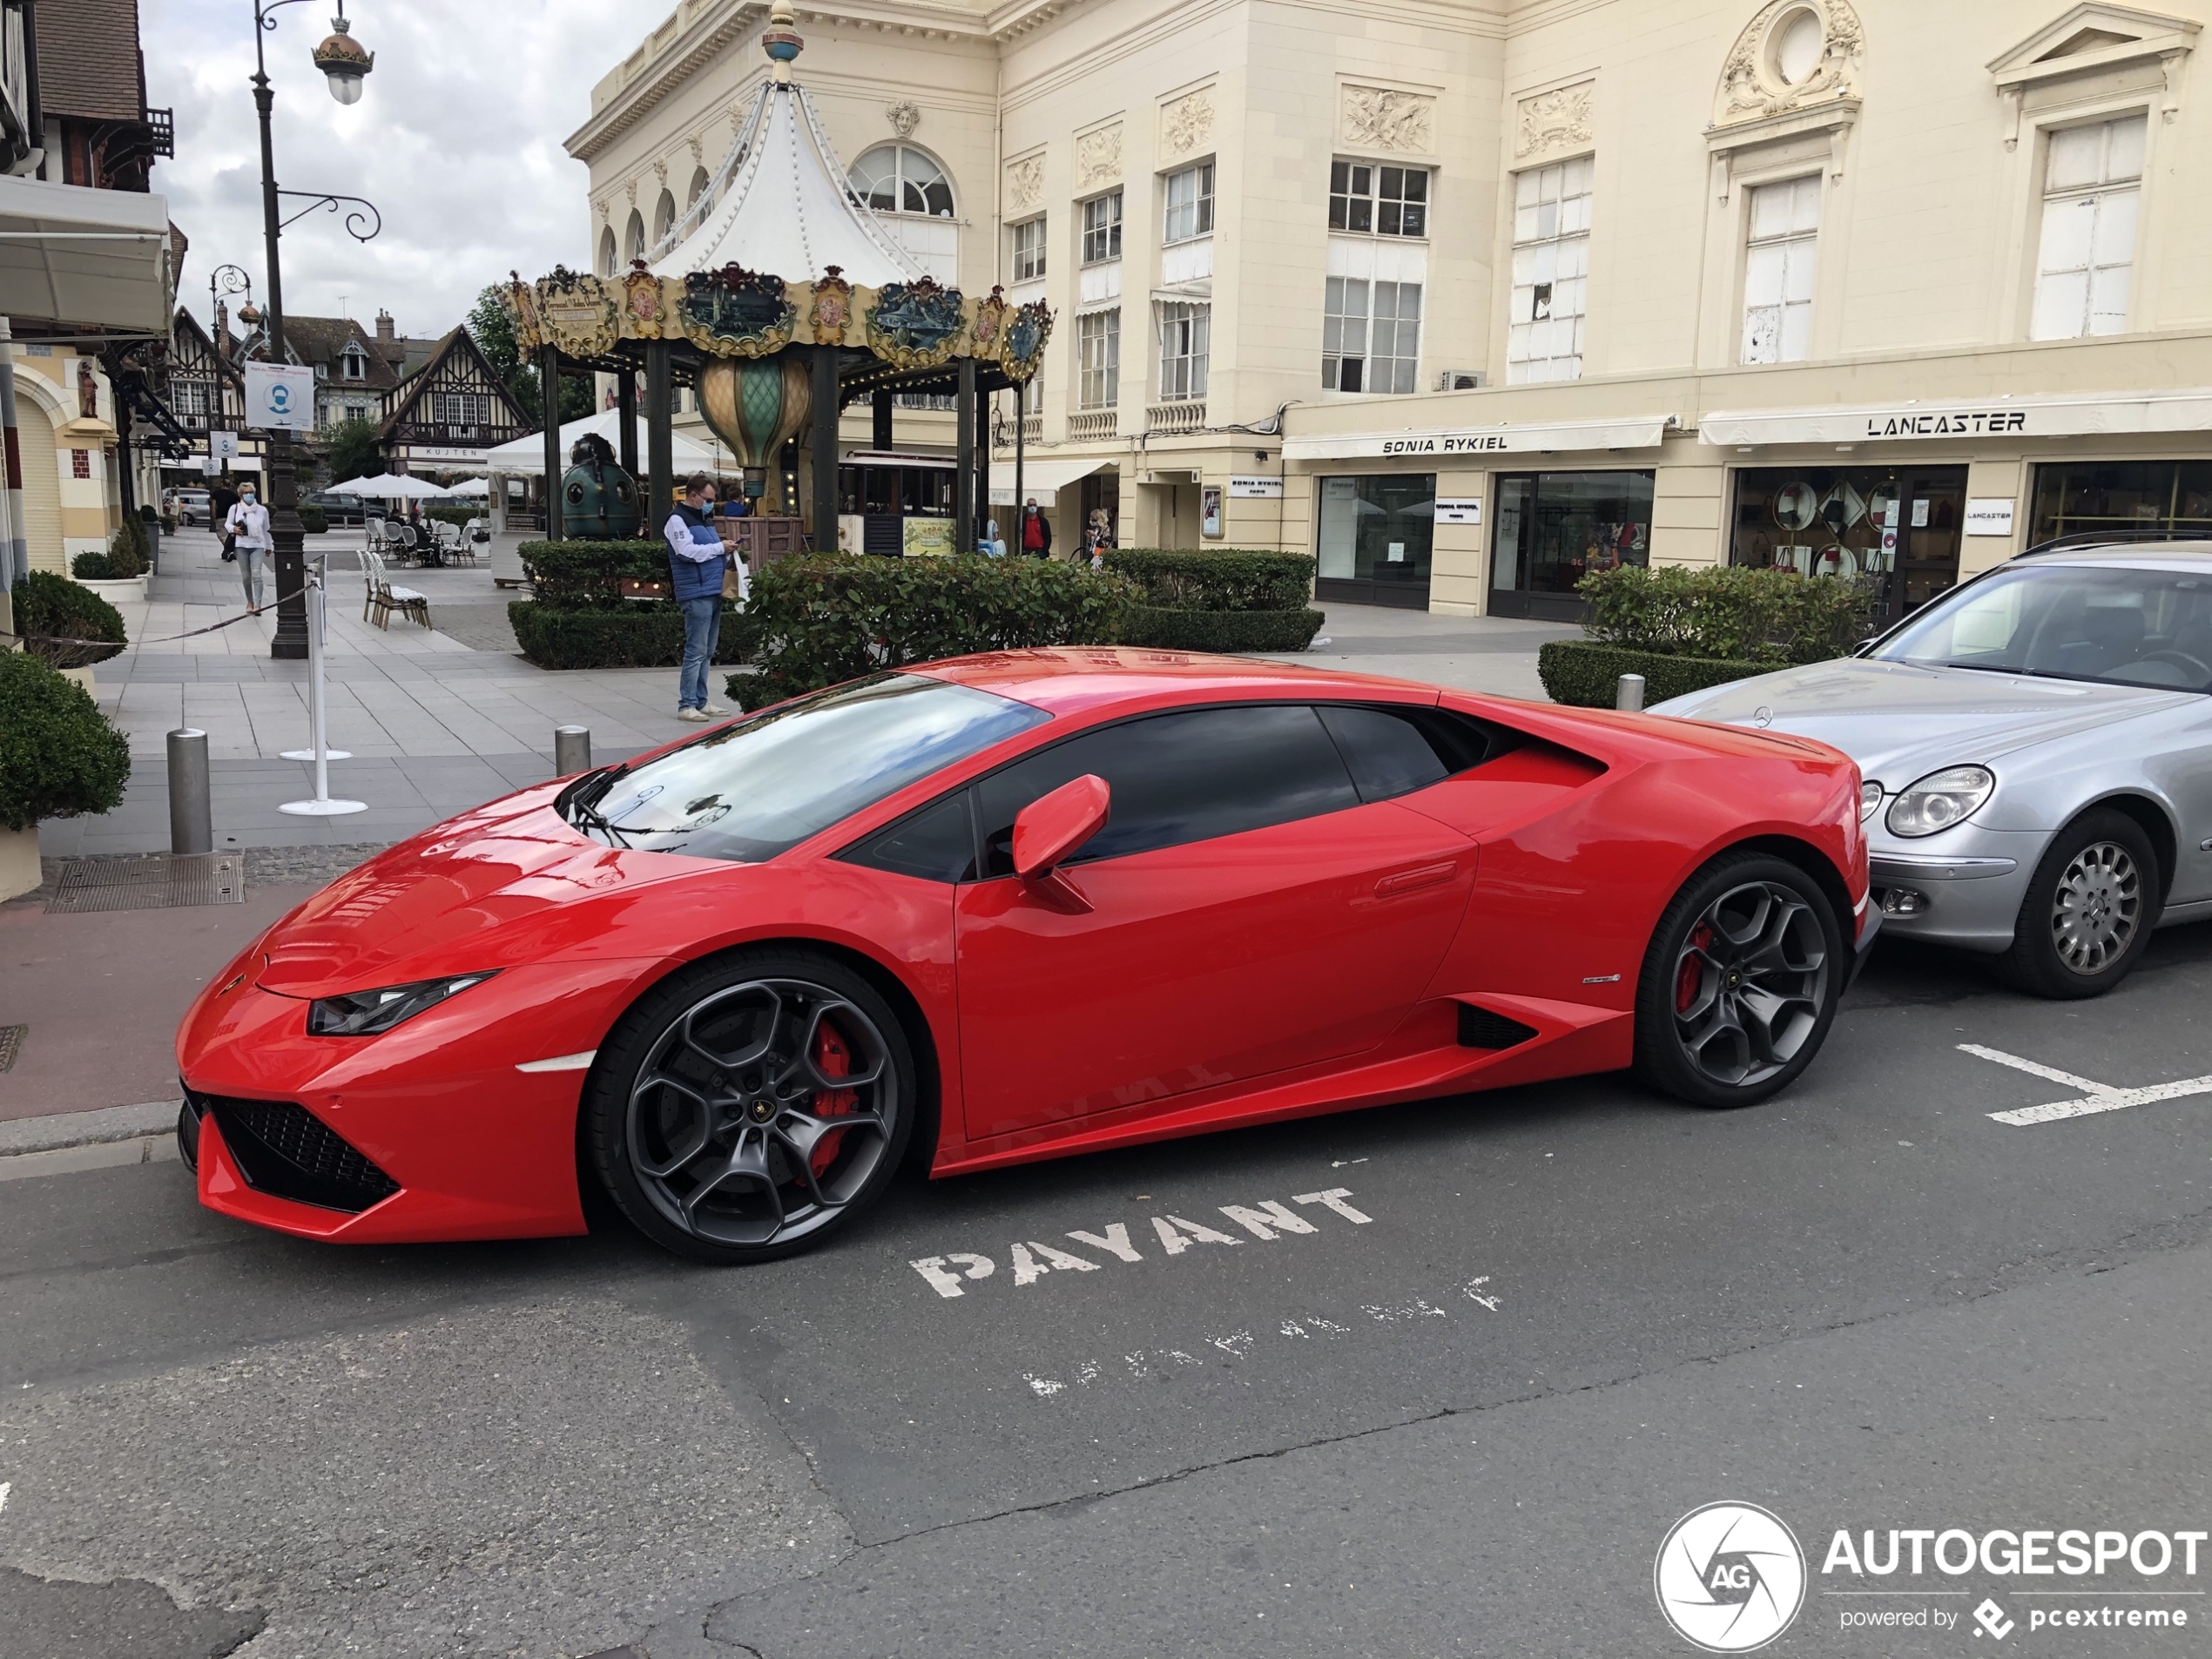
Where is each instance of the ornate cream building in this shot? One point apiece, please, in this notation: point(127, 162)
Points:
point(1468, 297)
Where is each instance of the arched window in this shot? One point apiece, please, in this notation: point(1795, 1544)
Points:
point(899, 178)
point(699, 189)
point(608, 254)
point(663, 216)
point(636, 237)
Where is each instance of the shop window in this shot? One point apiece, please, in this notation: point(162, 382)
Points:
point(1190, 204)
point(1556, 528)
point(1184, 331)
point(1028, 250)
point(1551, 262)
point(899, 178)
point(1370, 335)
point(1374, 539)
point(2092, 184)
point(1098, 359)
point(1896, 528)
point(1102, 229)
point(1381, 201)
point(2074, 496)
point(1777, 270)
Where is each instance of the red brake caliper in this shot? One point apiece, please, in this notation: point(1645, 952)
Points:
point(832, 1059)
point(1689, 977)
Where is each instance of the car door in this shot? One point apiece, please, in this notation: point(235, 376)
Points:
point(1250, 912)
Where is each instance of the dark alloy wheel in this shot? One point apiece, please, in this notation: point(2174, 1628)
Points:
point(749, 1106)
point(1740, 983)
point(2089, 909)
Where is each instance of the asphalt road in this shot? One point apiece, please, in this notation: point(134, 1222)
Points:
point(1454, 1411)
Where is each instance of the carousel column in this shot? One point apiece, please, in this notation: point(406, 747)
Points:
point(823, 444)
point(880, 437)
point(964, 525)
point(626, 421)
point(548, 386)
point(660, 446)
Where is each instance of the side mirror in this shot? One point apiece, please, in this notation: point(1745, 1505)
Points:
point(1052, 828)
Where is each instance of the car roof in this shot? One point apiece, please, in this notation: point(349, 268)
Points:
point(2175, 555)
point(1070, 679)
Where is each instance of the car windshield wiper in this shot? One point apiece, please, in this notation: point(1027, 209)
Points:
point(588, 815)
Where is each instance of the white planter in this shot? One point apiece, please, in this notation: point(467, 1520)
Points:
point(130, 590)
point(83, 677)
point(18, 861)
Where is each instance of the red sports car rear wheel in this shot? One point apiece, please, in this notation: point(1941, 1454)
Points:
point(751, 1104)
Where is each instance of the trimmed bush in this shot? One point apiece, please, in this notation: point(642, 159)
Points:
point(827, 619)
point(125, 557)
point(447, 513)
point(1216, 579)
point(313, 519)
point(643, 636)
point(1229, 631)
point(58, 755)
point(1725, 614)
point(587, 576)
point(1584, 673)
point(53, 607)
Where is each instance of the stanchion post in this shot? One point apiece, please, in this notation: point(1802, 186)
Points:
point(571, 749)
point(1628, 694)
point(192, 808)
point(321, 806)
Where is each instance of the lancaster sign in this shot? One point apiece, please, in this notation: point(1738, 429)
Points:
point(2069, 415)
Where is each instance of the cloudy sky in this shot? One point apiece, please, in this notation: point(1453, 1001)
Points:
point(456, 139)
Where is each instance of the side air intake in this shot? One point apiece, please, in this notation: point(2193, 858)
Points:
point(1480, 1029)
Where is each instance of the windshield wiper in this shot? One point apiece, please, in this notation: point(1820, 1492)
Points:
point(588, 815)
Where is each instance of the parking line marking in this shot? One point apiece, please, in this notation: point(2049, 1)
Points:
point(2100, 1098)
point(2049, 1074)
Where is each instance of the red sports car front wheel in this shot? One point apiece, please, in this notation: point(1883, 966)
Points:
point(751, 1104)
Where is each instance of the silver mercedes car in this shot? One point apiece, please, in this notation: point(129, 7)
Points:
point(2036, 747)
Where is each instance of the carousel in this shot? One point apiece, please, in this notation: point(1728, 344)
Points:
point(781, 299)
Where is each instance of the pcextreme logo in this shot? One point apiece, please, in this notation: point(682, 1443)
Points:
point(1729, 1577)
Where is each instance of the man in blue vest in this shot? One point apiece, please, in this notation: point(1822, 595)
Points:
point(696, 561)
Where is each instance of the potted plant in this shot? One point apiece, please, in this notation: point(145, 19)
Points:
point(118, 575)
point(58, 757)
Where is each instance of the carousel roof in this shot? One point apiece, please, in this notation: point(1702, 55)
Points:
point(781, 201)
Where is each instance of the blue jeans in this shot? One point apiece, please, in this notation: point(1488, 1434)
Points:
point(702, 630)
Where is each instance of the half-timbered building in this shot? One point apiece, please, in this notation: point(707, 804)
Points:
point(451, 412)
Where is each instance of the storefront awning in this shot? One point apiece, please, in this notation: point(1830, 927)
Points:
point(1512, 437)
point(1043, 479)
point(2071, 414)
point(98, 258)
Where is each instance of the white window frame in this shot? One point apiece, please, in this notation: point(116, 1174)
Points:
point(1098, 359)
point(1353, 322)
point(1187, 213)
point(1186, 338)
point(1363, 199)
point(1549, 295)
point(1026, 245)
point(1101, 229)
point(1779, 330)
point(901, 183)
point(2103, 215)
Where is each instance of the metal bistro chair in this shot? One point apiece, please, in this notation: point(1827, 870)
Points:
point(384, 598)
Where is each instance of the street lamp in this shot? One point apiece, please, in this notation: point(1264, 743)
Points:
point(343, 63)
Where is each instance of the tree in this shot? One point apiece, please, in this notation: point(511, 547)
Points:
point(492, 330)
point(351, 450)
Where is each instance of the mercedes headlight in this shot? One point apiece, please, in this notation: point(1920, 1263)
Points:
point(1940, 800)
point(1869, 799)
point(369, 1014)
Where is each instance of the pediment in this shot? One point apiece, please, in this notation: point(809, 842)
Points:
point(2090, 38)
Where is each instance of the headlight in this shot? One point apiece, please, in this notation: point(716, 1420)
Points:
point(1869, 799)
point(1940, 800)
point(367, 1013)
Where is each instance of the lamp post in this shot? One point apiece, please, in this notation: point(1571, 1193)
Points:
point(343, 63)
point(223, 280)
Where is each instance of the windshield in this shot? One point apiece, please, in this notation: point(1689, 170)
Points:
point(2071, 622)
point(760, 787)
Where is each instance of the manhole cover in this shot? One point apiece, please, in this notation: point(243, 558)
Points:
point(11, 1044)
point(162, 882)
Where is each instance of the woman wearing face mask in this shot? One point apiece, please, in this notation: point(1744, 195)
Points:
point(248, 524)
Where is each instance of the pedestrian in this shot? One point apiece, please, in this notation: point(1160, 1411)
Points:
point(697, 564)
point(1098, 536)
point(1036, 531)
point(221, 497)
point(993, 545)
point(247, 525)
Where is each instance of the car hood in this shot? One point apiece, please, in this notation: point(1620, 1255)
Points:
point(1899, 720)
point(504, 885)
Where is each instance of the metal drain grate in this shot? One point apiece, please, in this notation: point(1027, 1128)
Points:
point(162, 882)
point(11, 1038)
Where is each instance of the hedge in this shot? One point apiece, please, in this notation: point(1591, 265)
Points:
point(831, 618)
point(1726, 614)
point(53, 613)
point(313, 519)
point(58, 755)
point(1221, 631)
point(446, 514)
point(1586, 674)
point(126, 557)
point(1215, 578)
point(643, 637)
point(587, 576)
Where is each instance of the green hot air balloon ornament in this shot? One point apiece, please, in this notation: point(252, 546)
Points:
point(755, 405)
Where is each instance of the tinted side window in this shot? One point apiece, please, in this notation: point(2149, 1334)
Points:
point(1394, 751)
point(937, 843)
point(1178, 777)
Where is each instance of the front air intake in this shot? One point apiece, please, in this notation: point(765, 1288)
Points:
point(1480, 1029)
point(286, 1151)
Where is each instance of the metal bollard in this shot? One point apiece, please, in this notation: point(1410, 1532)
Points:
point(192, 807)
point(1628, 694)
point(571, 749)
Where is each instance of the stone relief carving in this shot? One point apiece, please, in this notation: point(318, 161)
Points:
point(1187, 123)
point(1378, 117)
point(1752, 86)
point(1554, 120)
point(1098, 156)
point(903, 115)
point(660, 173)
point(1025, 185)
point(698, 150)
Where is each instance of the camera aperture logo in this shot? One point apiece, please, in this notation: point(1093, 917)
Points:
point(1729, 1577)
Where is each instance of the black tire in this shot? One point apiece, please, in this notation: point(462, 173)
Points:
point(710, 1118)
point(2088, 910)
point(1740, 982)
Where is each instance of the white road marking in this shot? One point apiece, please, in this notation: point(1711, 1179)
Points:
point(1115, 1243)
point(1178, 1235)
point(562, 1063)
point(1272, 1215)
point(1028, 1270)
point(1334, 1198)
point(2097, 1097)
point(933, 1269)
point(6, 1487)
point(1473, 1291)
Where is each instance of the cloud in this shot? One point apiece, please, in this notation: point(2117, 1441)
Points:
point(456, 139)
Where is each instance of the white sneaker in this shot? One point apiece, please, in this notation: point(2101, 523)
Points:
point(715, 709)
point(695, 717)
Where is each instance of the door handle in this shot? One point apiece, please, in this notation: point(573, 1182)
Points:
point(1428, 875)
